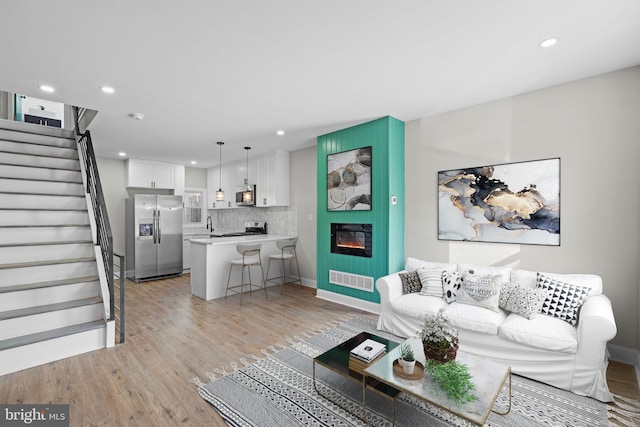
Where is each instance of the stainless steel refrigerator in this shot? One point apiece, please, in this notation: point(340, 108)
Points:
point(153, 236)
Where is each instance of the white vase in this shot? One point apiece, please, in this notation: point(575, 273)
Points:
point(407, 366)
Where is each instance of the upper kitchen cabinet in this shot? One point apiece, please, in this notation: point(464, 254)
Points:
point(272, 179)
point(229, 175)
point(148, 174)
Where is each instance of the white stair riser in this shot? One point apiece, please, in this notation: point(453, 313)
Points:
point(25, 172)
point(49, 295)
point(37, 161)
point(30, 201)
point(28, 356)
point(9, 185)
point(36, 217)
point(33, 138)
point(19, 326)
point(46, 273)
point(35, 253)
point(27, 235)
point(38, 150)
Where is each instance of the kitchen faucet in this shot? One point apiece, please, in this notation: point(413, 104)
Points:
point(209, 224)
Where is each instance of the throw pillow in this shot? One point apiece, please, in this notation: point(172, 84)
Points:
point(451, 282)
point(410, 282)
point(505, 292)
point(431, 279)
point(522, 300)
point(481, 291)
point(563, 299)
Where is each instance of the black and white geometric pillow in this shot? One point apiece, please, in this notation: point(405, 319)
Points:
point(563, 299)
point(523, 301)
point(451, 282)
point(410, 282)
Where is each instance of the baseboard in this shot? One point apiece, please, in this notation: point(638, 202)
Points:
point(367, 306)
point(630, 356)
point(311, 283)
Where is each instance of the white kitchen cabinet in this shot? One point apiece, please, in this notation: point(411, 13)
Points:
point(229, 176)
point(147, 174)
point(272, 179)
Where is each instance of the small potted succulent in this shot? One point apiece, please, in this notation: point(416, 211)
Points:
point(407, 360)
point(439, 338)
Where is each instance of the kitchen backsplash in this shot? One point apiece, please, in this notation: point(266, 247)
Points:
point(282, 220)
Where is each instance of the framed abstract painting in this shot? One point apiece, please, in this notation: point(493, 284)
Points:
point(503, 203)
point(349, 180)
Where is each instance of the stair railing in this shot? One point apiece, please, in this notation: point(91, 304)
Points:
point(119, 305)
point(103, 227)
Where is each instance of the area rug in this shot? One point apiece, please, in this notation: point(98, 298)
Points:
point(276, 389)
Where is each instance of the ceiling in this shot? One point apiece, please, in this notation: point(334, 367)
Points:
point(237, 71)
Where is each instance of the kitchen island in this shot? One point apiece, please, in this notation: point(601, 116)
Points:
point(211, 257)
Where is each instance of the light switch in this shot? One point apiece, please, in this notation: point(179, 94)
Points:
point(394, 200)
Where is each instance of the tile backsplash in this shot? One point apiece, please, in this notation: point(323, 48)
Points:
point(282, 220)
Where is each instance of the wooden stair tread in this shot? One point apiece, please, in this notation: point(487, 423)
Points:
point(47, 262)
point(51, 334)
point(51, 283)
point(54, 242)
point(30, 311)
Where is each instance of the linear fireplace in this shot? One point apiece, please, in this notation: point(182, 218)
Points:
point(351, 239)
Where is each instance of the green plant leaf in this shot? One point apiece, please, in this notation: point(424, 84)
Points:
point(454, 379)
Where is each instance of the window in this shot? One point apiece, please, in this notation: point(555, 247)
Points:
point(193, 207)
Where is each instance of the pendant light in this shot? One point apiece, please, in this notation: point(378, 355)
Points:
point(220, 193)
point(247, 195)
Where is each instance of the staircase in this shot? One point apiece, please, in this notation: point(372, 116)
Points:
point(51, 298)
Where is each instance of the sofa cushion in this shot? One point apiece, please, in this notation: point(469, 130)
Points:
point(416, 305)
point(451, 282)
point(480, 290)
point(563, 299)
point(473, 318)
point(410, 282)
point(503, 272)
point(522, 300)
point(542, 332)
point(412, 264)
point(431, 279)
point(529, 279)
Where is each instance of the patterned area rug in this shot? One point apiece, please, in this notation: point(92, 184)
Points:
point(276, 389)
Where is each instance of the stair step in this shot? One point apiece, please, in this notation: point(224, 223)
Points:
point(44, 252)
point(63, 233)
point(30, 311)
point(39, 161)
point(16, 185)
point(24, 275)
point(48, 284)
point(40, 174)
point(38, 149)
point(40, 201)
point(32, 296)
point(45, 262)
point(22, 132)
point(50, 334)
point(38, 217)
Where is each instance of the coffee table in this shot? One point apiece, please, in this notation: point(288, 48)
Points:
point(487, 376)
point(337, 360)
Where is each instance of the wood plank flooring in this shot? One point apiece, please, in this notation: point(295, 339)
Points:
point(172, 337)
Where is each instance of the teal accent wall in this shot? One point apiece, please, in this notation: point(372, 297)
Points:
point(386, 137)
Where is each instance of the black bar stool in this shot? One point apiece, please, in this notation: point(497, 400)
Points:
point(250, 258)
point(287, 253)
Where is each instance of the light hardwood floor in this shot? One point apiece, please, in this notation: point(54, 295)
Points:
point(172, 337)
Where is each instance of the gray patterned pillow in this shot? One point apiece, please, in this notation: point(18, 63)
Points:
point(481, 290)
point(563, 299)
point(522, 300)
point(410, 282)
point(451, 282)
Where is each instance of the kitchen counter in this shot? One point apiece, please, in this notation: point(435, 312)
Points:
point(211, 257)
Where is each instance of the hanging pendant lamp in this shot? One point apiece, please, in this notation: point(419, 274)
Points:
point(247, 195)
point(220, 193)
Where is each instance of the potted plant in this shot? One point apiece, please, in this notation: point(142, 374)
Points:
point(439, 338)
point(407, 360)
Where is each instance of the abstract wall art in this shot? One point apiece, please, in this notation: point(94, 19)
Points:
point(349, 180)
point(504, 203)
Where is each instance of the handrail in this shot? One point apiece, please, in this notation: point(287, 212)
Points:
point(94, 189)
point(119, 307)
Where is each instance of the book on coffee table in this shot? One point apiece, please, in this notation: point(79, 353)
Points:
point(368, 350)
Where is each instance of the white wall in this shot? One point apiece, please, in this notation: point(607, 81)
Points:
point(113, 177)
point(593, 125)
point(303, 171)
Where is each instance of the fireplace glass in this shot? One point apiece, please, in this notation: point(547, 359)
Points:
point(351, 239)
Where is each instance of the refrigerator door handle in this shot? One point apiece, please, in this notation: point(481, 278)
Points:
point(159, 228)
point(155, 226)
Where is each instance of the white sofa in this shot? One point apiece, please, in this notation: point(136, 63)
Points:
point(543, 348)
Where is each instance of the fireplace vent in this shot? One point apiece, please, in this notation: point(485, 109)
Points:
point(350, 280)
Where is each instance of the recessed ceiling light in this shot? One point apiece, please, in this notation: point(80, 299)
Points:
point(549, 42)
point(122, 154)
point(107, 89)
point(47, 88)
point(193, 162)
point(280, 132)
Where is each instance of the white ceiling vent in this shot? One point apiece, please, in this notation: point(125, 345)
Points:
point(350, 280)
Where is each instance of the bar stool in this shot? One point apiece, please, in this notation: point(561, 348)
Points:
point(287, 253)
point(250, 258)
